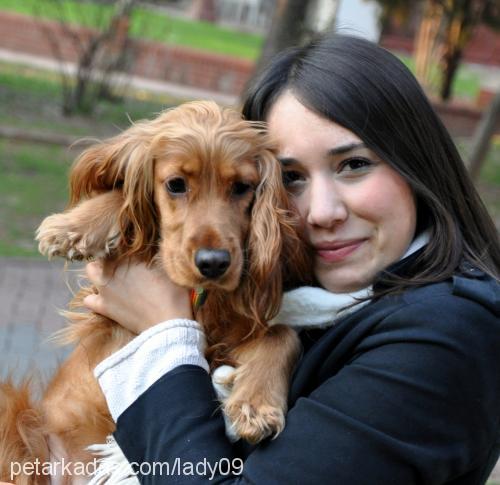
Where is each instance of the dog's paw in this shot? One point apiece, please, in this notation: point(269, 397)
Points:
point(54, 238)
point(223, 380)
point(255, 419)
point(57, 236)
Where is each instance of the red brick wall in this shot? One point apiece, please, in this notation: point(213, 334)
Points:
point(23, 34)
point(152, 59)
point(192, 68)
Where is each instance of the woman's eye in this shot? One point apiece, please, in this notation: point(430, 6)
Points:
point(240, 188)
point(354, 164)
point(176, 186)
point(292, 178)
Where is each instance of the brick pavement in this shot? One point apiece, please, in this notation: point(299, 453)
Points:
point(31, 292)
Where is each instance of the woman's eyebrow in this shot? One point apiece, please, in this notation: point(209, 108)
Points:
point(286, 161)
point(345, 148)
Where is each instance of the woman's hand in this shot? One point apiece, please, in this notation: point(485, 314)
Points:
point(136, 296)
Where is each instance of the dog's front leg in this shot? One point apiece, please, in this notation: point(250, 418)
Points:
point(258, 401)
point(90, 229)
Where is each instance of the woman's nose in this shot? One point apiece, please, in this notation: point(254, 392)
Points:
point(326, 205)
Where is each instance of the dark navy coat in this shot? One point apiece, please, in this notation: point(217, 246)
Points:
point(405, 390)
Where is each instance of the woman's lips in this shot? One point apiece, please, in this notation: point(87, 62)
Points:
point(334, 252)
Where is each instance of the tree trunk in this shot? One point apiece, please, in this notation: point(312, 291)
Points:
point(99, 52)
point(451, 63)
point(426, 43)
point(287, 29)
point(117, 53)
point(483, 136)
point(461, 19)
point(204, 10)
point(83, 99)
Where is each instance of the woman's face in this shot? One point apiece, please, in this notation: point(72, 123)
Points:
point(359, 214)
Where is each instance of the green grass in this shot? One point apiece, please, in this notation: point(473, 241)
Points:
point(466, 84)
point(14, 77)
point(33, 185)
point(491, 169)
point(488, 184)
point(489, 181)
point(146, 24)
point(490, 172)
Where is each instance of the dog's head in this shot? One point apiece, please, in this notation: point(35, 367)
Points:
point(202, 190)
point(211, 187)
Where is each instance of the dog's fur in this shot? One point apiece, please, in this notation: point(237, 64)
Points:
point(119, 209)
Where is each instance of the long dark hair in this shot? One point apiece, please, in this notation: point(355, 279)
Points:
point(367, 90)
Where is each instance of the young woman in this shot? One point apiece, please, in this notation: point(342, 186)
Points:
point(402, 390)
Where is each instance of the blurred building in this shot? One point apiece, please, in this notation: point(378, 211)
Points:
point(252, 15)
point(356, 17)
point(359, 17)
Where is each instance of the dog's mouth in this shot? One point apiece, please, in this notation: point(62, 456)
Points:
point(228, 283)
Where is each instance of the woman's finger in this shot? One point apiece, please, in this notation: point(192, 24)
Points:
point(94, 303)
point(95, 272)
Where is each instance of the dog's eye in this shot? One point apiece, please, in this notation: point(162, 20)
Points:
point(240, 188)
point(176, 186)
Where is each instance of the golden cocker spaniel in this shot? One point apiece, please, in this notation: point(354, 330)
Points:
point(198, 193)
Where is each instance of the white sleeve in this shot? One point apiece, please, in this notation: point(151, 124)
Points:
point(130, 371)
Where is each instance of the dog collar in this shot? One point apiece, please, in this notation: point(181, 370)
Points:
point(198, 297)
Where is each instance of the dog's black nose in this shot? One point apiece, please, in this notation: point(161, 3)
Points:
point(212, 263)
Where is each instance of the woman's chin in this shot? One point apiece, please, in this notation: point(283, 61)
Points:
point(344, 280)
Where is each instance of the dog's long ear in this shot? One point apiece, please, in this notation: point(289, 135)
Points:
point(126, 163)
point(273, 242)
